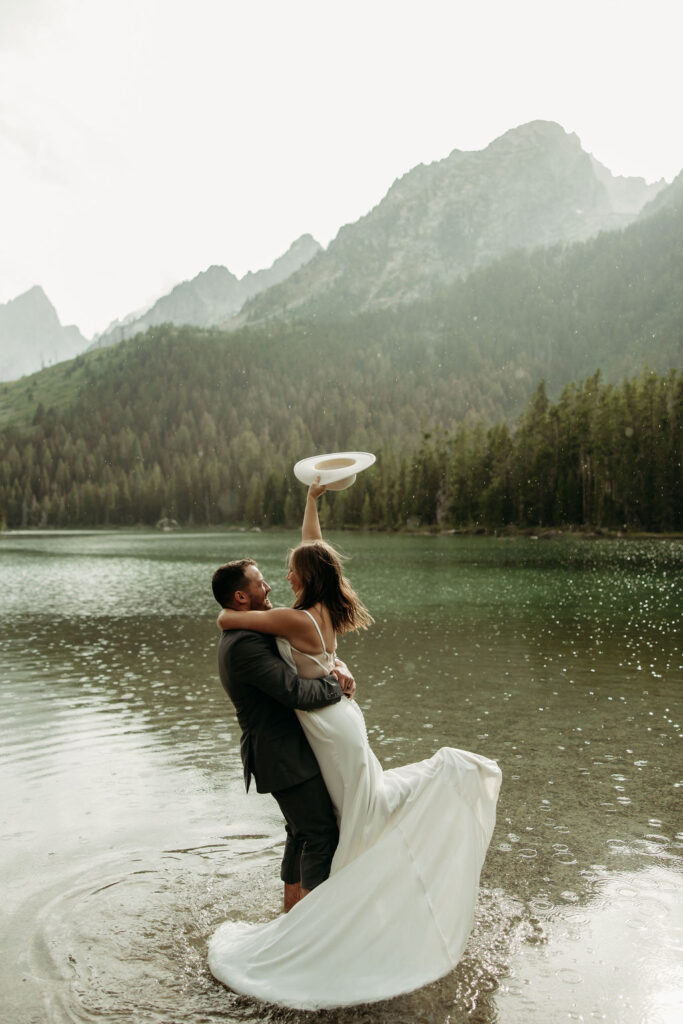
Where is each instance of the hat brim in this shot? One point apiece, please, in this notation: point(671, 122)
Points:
point(337, 470)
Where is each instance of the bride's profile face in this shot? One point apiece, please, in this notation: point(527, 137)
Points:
point(293, 579)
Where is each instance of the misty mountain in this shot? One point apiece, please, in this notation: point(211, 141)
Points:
point(212, 296)
point(475, 349)
point(534, 186)
point(668, 198)
point(205, 425)
point(31, 335)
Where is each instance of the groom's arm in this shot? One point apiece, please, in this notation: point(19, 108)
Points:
point(254, 662)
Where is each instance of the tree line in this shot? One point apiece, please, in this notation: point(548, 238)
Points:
point(602, 455)
point(205, 425)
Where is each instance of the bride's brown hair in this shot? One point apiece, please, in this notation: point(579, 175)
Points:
point(322, 582)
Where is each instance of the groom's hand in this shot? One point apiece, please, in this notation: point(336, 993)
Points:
point(344, 678)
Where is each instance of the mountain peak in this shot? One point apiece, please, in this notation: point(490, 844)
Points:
point(31, 335)
point(211, 297)
point(306, 242)
point(538, 131)
point(32, 296)
point(216, 270)
point(546, 140)
point(32, 306)
point(533, 186)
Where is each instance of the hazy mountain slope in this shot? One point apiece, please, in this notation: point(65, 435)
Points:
point(475, 349)
point(206, 424)
point(532, 187)
point(627, 196)
point(211, 296)
point(668, 198)
point(31, 335)
point(613, 303)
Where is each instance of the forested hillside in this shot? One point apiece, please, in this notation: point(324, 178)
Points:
point(205, 426)
point(186, 433)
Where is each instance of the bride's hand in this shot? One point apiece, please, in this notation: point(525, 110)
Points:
point(310, 528)
point(316, 489)
point(344, 678)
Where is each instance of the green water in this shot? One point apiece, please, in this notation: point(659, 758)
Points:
point(127, 836)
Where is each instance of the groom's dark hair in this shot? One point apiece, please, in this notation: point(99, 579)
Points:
point(228, 578)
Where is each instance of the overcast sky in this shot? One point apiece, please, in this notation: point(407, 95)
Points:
point(143, 140)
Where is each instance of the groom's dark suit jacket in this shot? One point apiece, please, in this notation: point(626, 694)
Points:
point(265, 692)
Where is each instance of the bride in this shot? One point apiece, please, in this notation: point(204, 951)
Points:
point(398, 906)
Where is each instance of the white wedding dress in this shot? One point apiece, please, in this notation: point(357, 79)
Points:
point(398, 907)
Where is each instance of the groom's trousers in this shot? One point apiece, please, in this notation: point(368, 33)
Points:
point(312, 833)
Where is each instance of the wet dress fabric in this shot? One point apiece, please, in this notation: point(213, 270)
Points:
point(398, 907)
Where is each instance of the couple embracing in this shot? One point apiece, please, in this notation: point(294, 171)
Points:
point(389, 861)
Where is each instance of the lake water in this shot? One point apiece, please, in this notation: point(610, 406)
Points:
point(127, 836)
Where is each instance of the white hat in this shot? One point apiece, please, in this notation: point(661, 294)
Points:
point(337, 470)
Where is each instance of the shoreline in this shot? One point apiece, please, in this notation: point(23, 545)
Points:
point(537, 533)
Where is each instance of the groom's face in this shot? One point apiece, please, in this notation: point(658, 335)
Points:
point(257, 590)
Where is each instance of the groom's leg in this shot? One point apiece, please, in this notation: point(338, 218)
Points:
point(290, 870)
point(293, 894)
point(312, 824)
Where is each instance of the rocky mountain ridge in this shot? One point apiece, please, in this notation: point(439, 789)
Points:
point(531, 188)
point(204, 425)
point(31, 335)
point(212, 296)
point(534, 186)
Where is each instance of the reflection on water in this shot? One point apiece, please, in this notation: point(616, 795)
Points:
point(624, 947)
point(127, 836)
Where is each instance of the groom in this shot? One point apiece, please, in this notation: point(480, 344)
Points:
point(274, 750)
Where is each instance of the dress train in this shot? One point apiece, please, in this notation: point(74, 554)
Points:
point(398, 907)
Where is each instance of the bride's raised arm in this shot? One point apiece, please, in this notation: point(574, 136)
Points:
point(310, 528)
point(290, 623)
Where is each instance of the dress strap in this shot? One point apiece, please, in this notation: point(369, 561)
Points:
point(322, 641)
